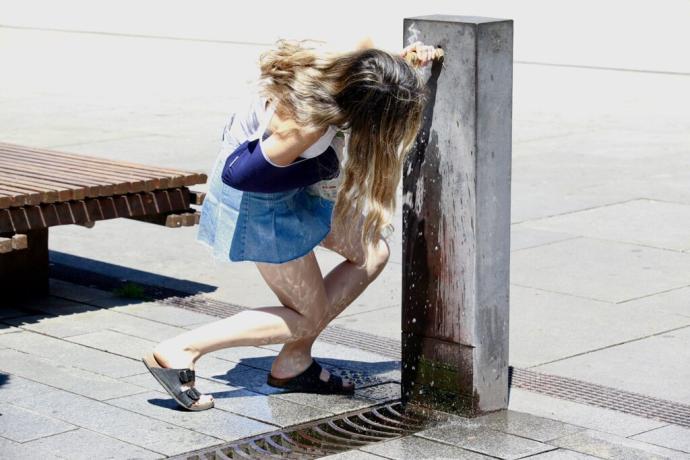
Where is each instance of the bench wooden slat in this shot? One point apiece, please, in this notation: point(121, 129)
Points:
point(22, 195)
point(19, 241)
point(63, 191)
point(31, 176)
point(120, 183)
point(190, 178)
point(5, 245)
point(77, 185)
point(121, 174)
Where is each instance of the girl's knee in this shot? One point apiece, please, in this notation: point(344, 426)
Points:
point(378, 256)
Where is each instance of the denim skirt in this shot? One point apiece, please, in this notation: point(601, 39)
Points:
point(261, 227)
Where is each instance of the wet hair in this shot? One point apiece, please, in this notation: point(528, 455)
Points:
point(373, 95)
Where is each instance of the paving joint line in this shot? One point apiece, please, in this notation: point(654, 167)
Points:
point(577, 210)
point(652, 295)
point(617, 69)
point(607, 346)
point(126, 35)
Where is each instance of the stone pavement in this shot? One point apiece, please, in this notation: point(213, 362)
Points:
point(600, 267)
point(72, 387)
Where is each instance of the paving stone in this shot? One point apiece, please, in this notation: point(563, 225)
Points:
point(16, 387)
point(627, 222)
point(610, 446)
point(334, 403)
point(16, 451)
point(64, 353)
point(577, 414)
point(563, 454)
point(561, 330)
point(522, 237)
point(46, 371)
point(675, 301)
point(88, 445)
point(94, 319)
point(245, 377)
point(267, 408)
point(116, 343)
point(54, 326)
point(527, 425)
point(23, 425)
point(384, 322)
point(166, 314)
point(127, 426)
point(619, 366)
point(601, 270)
point(6, 329)
point(415, 447)
point(384, 392)
point(77, 292)
point(471, 435)
point(143, 328)
point(261, 358)
point(671, 436)
point(47, 304)
point(220, 369)
point(245, 354)
point(535, 200)
point(213, 422)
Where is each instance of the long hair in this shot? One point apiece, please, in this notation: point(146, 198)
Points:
point(374, 95)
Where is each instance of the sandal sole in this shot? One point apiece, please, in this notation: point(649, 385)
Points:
point(150, 362)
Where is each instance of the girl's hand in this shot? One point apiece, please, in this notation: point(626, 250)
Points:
point(418, 54)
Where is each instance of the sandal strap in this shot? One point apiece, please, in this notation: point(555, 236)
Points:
point(310, 380)
point(335, 382)
point(186, 375)
point(193, 393)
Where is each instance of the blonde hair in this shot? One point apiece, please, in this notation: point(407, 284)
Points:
point(376, 96)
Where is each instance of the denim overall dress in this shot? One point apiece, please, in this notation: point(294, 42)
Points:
point(262, 227)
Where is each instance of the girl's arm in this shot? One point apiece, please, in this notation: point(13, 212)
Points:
point(289, 141)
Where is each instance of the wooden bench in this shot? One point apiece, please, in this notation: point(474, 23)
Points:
point(42, 188)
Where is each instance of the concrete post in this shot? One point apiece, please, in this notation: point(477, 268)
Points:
point(456, 220)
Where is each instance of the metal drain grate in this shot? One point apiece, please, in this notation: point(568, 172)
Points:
point(327, 436)
point(601, 396)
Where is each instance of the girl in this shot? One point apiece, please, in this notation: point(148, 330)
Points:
point(269, 202)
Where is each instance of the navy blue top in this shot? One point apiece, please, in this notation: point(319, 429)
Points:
point(247, 169)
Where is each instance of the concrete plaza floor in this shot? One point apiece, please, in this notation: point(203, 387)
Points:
point(600, 267)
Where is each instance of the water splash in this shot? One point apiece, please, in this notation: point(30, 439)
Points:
point(414, 33)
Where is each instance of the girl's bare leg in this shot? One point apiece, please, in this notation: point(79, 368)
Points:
point(343, 285)
point(301, 288)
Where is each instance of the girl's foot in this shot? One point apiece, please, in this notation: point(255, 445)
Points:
point(313, 379)
point(177, 377)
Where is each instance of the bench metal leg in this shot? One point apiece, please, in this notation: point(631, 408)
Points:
point(24, 273)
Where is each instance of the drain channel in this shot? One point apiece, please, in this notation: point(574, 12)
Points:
point(327, 436)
